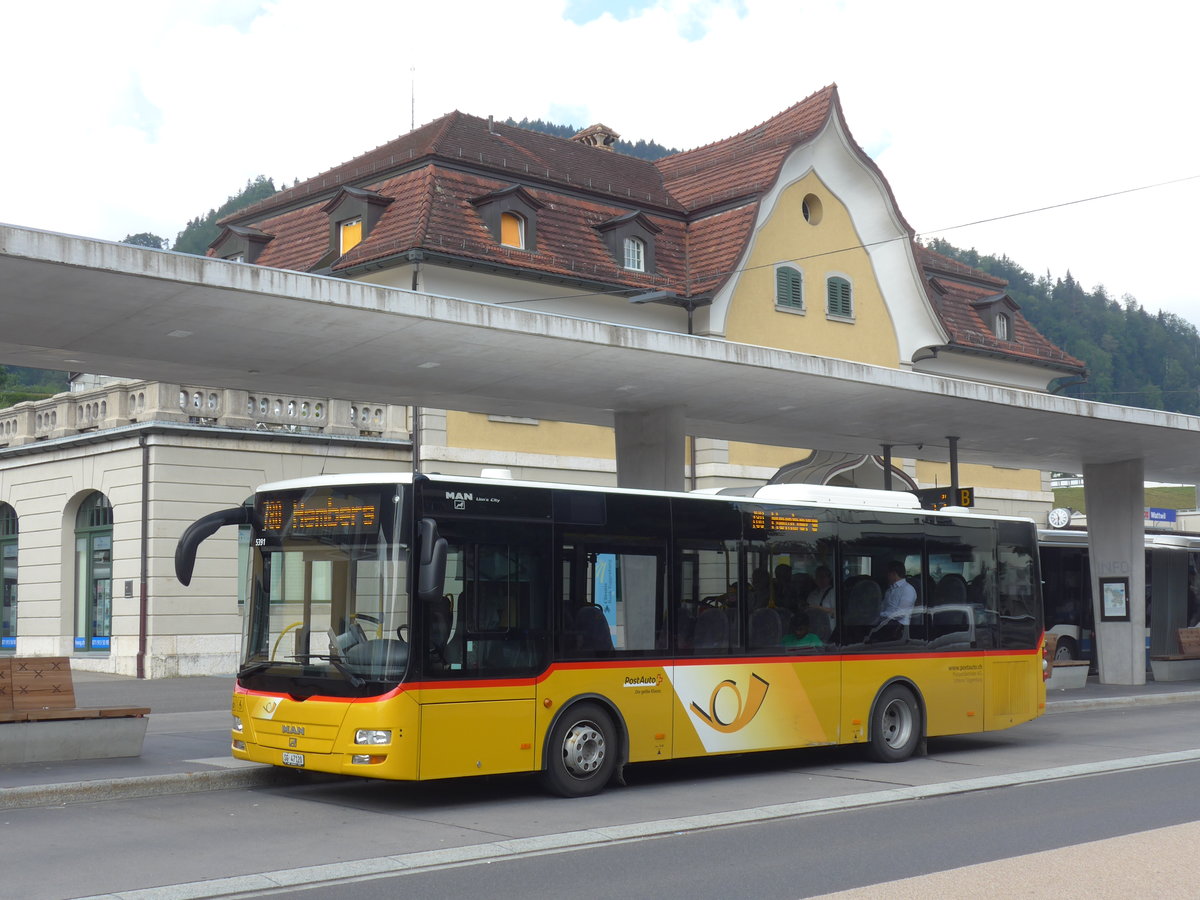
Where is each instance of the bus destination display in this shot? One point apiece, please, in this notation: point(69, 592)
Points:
point(781, 520)
point(320, 515)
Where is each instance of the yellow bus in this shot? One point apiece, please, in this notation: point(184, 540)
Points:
point(420, 627)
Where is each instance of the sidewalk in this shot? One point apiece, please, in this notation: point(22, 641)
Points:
point(187, 740)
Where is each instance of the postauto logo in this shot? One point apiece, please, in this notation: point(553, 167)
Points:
point(743, 710)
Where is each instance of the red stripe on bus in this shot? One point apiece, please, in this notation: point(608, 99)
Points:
point(575, 666)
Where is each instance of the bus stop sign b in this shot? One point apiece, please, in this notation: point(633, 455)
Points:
point(936, 498)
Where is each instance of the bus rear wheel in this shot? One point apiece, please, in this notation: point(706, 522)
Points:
point(582, 752)
point(1064, 650)
point(895, 725)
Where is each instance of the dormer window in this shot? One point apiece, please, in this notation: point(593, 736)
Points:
point(353, 213)
point(237, 243)
point(635, 254)
point(630, 240)
point(512, 230)
point(510, 214)
point(1003, 327)
point(997, 313)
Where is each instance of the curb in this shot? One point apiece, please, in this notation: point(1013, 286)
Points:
point(149, 786)
point(61, 794)
point(1066, 706)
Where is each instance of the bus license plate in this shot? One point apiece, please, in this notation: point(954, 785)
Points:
point(293, 759)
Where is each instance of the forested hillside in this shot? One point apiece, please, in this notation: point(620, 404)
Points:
point(1134, 357)
point(18, 384)
point(202, 230)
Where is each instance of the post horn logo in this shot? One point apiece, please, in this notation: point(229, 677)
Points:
point(746, 711)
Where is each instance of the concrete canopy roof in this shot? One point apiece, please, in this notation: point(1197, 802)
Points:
point(84, 305)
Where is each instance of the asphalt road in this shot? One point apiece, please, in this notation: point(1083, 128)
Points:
point(817, 855)
point(771, 825)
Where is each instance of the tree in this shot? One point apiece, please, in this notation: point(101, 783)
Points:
point(1134, 357)
point(146, 239)
point(203, 230)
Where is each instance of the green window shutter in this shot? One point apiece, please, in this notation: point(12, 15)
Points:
point(789, 288)
point(838, 298)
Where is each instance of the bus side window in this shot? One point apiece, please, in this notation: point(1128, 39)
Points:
point(880, 609)
point(707, 600)
point(497, 625)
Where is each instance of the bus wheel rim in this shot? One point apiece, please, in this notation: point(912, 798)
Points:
point(897, 723)
point(583, 749)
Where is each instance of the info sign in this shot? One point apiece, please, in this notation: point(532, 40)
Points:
point(937, 498)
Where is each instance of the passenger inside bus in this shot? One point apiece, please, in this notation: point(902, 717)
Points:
point(821, 598)
point(898, 602)
point(799, 637)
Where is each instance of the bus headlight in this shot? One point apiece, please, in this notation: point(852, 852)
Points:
point(237, 725)
point(372, 736)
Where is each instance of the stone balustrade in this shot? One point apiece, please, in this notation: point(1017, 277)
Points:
point(118, 403)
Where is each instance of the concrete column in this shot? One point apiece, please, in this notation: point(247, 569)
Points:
point(650, 449)
point(1116, 546)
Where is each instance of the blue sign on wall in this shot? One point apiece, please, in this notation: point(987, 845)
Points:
point(1153, 514)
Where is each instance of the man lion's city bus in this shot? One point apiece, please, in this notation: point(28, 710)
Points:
point(421, 627)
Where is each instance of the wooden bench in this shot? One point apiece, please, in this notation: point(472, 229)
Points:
point(1065, 674)
point(39, 721)
point(1181, 666)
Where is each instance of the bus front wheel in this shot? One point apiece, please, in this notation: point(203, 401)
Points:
point(895, 725)
point(582, 752)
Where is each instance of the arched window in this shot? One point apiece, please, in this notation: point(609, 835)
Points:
point(789, 288)
point(1003, 327)
point(93, 574)
point(635, 254)
point(512, 230)
point(839, 300)
point(8, 577)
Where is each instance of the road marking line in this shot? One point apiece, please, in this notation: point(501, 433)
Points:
point(424, 860)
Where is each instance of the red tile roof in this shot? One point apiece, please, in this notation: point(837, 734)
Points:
point(961, 293)
point(746, 164)
point(704, 201)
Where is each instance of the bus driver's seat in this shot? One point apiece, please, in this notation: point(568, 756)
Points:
point(593, 628)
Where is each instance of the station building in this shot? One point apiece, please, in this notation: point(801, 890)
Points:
point(786, 235)
point(97, 485)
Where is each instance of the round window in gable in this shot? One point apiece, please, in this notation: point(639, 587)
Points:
point(812, 209)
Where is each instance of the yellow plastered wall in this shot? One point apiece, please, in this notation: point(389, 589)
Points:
point(935, 473)
point(478, 432)
point(742, 454)
point(818, 251)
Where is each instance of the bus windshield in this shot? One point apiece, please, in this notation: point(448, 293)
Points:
point(327, 597)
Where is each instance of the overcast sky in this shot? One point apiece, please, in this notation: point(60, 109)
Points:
point(136, 115)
